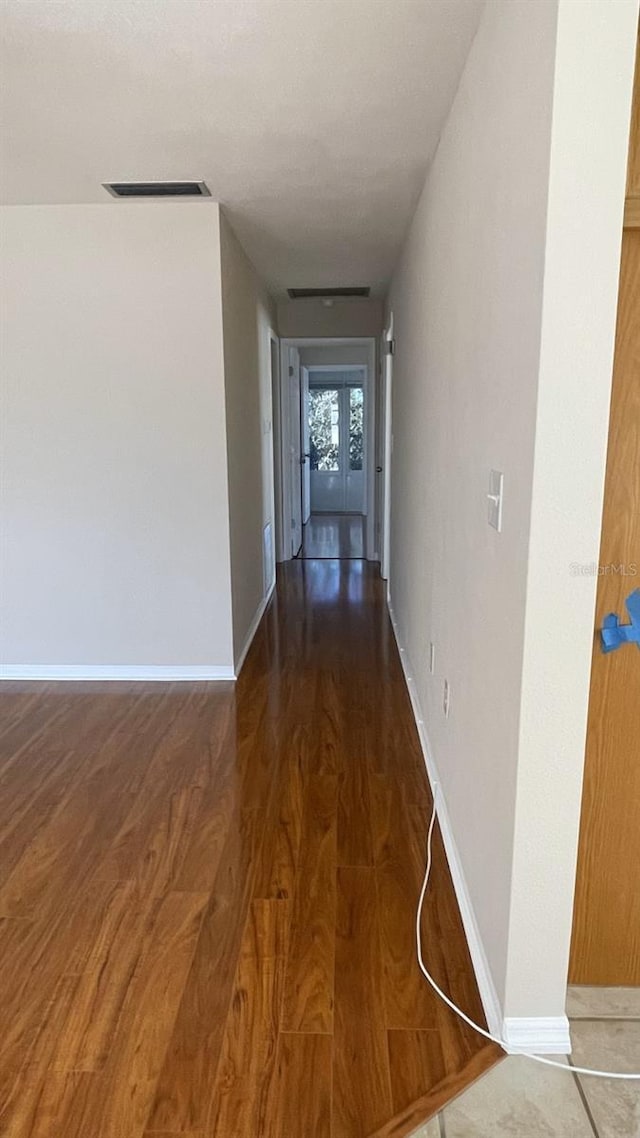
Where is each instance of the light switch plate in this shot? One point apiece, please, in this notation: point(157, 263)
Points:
point(494, 497)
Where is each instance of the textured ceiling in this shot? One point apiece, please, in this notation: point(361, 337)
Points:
point(312, 121)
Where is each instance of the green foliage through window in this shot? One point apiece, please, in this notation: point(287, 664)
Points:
point(356, 428)
point(324, 429)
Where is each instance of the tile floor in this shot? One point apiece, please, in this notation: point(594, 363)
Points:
point(522, 1099)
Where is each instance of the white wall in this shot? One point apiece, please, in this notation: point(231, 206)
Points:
point(248, 316)
point(503, 272)
point(308, 318)
point(115, 550)
point(321, 355)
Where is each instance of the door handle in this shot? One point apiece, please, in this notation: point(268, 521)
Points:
point(378, 470)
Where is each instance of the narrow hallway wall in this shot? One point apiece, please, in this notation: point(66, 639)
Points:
point(484, 379)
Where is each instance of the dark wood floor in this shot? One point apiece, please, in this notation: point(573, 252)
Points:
point(207, 895)
point(333, 535)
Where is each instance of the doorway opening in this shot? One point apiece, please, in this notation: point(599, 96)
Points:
point(333, 473)
point(330, 501)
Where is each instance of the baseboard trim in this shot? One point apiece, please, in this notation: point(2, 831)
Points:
point(484, 979)
point(137, 673)
point(539, 1035)
point(253, 628)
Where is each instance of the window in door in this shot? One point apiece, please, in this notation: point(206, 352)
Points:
point(337, 443)
point(324, 429)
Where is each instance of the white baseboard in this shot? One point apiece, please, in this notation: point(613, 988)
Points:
point(484, 979)
point(253, 628)
point(538, 1035)
point(153, 673)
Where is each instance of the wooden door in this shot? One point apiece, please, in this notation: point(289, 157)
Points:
point(606, 929)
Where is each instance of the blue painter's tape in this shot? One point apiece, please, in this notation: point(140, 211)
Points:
point(615, 634)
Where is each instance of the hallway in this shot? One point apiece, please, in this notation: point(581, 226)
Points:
point(216, 888)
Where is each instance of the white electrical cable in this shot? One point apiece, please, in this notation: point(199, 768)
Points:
point(457, 1010)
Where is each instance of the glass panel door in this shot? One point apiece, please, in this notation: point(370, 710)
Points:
point(336, 446)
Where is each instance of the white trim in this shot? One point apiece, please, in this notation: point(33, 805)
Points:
point(273, 342)
point(253, 628)
point(386, 408)
point(486, 986)
point(305, 467)
point(538, 1035)
point(153, 673)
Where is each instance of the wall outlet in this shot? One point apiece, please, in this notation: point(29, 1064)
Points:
point(432, 657)
point(446, 700)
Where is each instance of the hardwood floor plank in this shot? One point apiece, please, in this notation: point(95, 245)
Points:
point(124, 1091)
point(279, 863)
point(309, 983)
point(245, 1085)
point(33, 788)
point(188, 1074)
point(32, 949)
point(416, 1062)
point(183, 766)
point(34, 1103)
point(303, 1101)
point(410, 1003)
point(86, 1037)
point(361, 1081)
point(355, 844)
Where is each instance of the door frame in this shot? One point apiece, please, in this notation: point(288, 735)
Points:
point(279, 480)
point(370, 344)
point(386, 410)
point(304, 442)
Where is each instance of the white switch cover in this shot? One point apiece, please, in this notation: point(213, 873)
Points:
point(496, 487)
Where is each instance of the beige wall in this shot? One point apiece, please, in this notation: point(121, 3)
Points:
point(115, 549)
point(309, 318)
point(504, 308)
point(248, 315)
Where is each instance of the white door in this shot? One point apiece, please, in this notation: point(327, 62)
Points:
point(295, 441)
point(306, 453)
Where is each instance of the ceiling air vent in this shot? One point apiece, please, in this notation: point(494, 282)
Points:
point(158, 189)
point(328, 293)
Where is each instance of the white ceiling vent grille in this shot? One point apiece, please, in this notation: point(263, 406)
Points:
point(328, 293)
point(158, 189)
